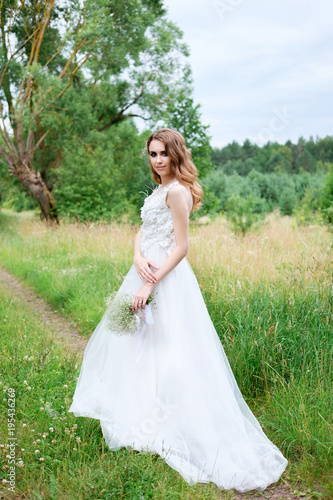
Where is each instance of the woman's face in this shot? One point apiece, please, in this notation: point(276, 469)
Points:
point(159, 159)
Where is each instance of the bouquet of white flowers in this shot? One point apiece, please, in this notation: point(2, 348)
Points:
point(121, 320)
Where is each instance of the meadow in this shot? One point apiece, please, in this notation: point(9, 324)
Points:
point(269, 294)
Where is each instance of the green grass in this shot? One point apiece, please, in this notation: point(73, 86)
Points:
point(64, 457)
point(276, 331)
point(62, 270)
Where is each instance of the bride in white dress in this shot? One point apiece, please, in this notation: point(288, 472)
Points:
point(179, 397)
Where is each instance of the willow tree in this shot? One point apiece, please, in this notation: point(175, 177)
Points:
point(123, 57)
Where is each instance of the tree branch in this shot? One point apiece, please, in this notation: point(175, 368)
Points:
point(36, 47)
point(54, 55)
point(6, 155)
point(119, 118)
point(4, 134)
point(45, 22)
point(38, 143)
point(13, 55)
point(76, 50)
point(71, 75)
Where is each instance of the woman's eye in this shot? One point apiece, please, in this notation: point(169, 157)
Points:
point(154, 154)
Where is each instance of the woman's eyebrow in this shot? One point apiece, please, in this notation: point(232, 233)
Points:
point(157, 151)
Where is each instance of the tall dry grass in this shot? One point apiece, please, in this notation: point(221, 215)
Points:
point(277, 249)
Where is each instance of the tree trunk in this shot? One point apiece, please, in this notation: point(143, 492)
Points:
point(33, 182)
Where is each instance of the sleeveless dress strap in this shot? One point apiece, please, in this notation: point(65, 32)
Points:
point(166, 189)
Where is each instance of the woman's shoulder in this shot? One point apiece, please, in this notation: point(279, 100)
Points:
point(178, 186)
point(177, 190)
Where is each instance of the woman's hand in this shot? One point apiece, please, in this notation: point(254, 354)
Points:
point(140, 298)
point(142, 267)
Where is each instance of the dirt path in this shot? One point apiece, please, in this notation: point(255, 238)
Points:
point(70, 337)
point(278, 492)
point(67, 334)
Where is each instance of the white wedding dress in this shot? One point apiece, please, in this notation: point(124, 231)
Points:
point(180, 398)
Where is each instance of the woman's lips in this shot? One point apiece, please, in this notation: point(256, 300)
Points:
point(160, 168)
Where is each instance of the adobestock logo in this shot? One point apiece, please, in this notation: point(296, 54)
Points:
point(148, 427)
point(279, 122)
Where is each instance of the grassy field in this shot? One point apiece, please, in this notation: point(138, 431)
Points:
point(60, 456)
point(269, 295)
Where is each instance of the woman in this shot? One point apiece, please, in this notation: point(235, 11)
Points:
point(169, 389)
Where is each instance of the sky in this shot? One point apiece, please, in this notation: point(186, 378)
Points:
point(262, 70)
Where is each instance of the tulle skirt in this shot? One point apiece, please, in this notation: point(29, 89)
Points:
point(180, 398)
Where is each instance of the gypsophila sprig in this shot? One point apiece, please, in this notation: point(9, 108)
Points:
point(120, 318)
point(144, 152)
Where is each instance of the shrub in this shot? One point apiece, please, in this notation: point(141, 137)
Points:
point(287, 201)
point(326, 201)
point(307, 209)
point(243, 213)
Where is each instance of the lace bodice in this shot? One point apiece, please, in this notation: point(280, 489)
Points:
point(157, 227)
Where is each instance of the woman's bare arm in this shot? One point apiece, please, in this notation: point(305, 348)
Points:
point(179, 212)
point(142, 265)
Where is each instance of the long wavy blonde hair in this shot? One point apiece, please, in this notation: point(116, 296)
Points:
point(182, 166)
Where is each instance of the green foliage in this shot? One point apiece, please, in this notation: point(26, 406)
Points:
point(287, 201)
point(272, 190)
point(267, 186)
point(279, 164)
point(277, 175)
point(210, 204)
point(326, 201)
point(306, 161)
point(126, 59)
point(243, 213)
point(17, 199)
point(104, 181)
point(323, 167)
point(307, 209)
point(310, 156)
point(216, 184)
point(328, 214)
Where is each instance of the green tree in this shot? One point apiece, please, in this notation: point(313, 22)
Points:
point(278, 163)
point(103, 182)
point(268, 189)
point(133, 61)
point(287, 201)
point(307, 209)
point(243, 213)
point(306, 161)
point(249, 149)
point(326, 201)
point(216, 183)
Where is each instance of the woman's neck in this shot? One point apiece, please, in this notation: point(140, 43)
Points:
point(167, 182)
